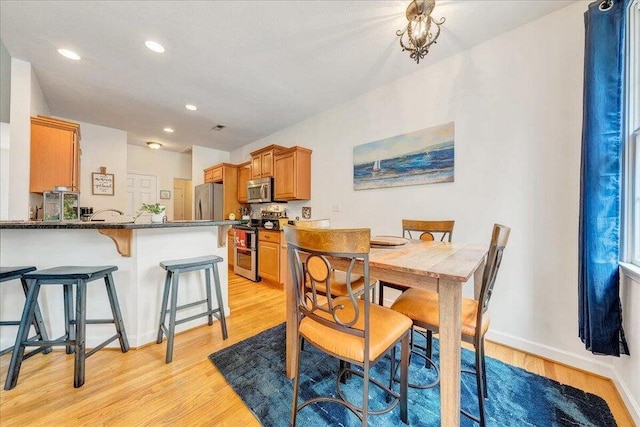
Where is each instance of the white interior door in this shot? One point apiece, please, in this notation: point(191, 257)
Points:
point(140, 189)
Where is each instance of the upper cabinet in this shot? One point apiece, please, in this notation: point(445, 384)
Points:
point(292, 174)
point(227, 174)
point(262, 161)
point(244, 175)
point(55, 154)
point(214, 173)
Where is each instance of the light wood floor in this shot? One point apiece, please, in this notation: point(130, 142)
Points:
point(139, 389)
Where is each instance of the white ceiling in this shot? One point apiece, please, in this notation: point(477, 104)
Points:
point(254, 66)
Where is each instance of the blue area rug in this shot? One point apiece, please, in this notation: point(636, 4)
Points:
point(255, 370)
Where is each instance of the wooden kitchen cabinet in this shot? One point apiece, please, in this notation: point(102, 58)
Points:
point(262, 161)
point(244, 175)
point(230, 251)
point(292, 174)
point(55, 154)
point(214, 173)
point(227, 174)
point(269, 256)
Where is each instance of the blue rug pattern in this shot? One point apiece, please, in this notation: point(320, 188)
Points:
point(255, 370)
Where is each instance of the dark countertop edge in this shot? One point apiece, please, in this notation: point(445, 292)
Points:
point(47, 225)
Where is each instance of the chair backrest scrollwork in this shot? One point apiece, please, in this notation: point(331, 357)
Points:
point(312, 253)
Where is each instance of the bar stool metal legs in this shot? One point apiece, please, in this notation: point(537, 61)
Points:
point(170, 297)
point(74, 338)
point(11, 273)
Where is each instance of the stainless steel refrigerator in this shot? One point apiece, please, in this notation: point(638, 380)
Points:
point(208, 202)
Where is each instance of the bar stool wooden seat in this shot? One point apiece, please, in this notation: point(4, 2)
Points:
point(11, 273)
point(75, 323)
point(174, 268)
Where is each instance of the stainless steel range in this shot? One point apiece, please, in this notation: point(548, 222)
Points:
point(245, 251)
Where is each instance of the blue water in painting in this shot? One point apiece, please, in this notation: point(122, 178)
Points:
point(429, 166)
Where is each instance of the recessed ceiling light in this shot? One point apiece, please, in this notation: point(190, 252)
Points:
point(218, 127)
point(154, 46)
point(168, 130)
point(191, 107)
point(154, 145)
point(69, 54)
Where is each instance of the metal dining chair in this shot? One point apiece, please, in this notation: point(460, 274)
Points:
point(422, 307)
point(337, 285)
point(423, 230)
point(349, 328)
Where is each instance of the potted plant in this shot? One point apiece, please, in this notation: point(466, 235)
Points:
point(156, 210)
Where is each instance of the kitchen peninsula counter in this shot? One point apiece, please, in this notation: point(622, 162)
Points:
point(119, 232)
point(44, 225)
point(139, 279)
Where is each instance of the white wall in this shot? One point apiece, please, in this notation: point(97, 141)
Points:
point(26, 100)
point(5, 107)
point(628, 368)
point(4, 170)
point(102, 146)
point(166, 165)
point(516, 101)
point(203, 158)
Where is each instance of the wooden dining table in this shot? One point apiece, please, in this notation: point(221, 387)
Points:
point(440, 267)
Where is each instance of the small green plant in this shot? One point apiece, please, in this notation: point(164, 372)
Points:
point(152, 209)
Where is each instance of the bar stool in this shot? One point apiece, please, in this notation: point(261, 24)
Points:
point(174, 268)
point(75, 326)
point(11, 273)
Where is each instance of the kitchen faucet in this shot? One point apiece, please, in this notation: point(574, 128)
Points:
point(104, 210)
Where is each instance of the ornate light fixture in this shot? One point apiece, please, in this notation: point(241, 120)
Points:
point(419, 37)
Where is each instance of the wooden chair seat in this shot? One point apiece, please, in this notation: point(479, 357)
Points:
point(422, 307)
point(387, 327)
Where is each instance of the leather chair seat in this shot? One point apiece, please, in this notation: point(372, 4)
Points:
point(386, 327)
point(422, 306)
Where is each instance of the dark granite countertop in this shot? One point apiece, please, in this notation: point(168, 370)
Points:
point(45, 225)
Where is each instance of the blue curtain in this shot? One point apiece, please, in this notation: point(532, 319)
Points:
point(600, 311)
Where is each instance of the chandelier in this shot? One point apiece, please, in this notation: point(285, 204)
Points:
point(419, 38)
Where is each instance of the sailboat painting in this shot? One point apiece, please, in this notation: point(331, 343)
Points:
point(422, 157)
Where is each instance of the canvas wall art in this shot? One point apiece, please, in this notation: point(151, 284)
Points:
point(422, 157)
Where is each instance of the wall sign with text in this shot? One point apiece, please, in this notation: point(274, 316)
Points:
point(102, 184)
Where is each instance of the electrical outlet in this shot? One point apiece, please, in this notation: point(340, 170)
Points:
point(336, 206)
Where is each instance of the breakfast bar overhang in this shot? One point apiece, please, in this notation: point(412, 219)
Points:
point(136, 249)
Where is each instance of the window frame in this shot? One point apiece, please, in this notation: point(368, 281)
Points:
point(630, 255)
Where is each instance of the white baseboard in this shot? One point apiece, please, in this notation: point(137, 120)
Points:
point(630, 401)
point(552, 353)
point(573, 360)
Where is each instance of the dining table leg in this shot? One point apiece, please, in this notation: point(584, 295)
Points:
point(450, 297)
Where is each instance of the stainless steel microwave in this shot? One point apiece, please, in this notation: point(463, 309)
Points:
point(260, 190)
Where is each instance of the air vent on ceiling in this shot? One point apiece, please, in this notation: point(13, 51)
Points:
point(218, 127)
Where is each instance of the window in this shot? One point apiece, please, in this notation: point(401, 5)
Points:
point(632, 154)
